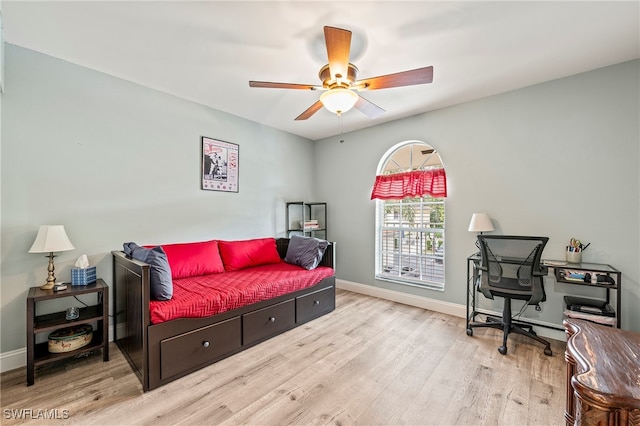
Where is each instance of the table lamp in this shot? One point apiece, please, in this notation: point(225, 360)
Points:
point(480, 222)
point(51, 238)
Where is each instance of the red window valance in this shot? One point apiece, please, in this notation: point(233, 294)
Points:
point(410, 184)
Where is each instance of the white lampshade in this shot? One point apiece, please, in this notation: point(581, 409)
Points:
point(339, 100)
point(480, 222)
point(51, 238)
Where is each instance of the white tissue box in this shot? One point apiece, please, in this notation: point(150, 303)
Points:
point(83, 276)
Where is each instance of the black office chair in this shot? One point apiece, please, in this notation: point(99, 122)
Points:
point(510, 268)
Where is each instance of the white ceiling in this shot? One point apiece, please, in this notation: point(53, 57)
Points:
point(207, 51)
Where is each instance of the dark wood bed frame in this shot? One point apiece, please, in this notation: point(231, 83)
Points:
point(161, 353)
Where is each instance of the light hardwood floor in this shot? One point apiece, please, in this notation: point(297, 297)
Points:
point(370, 362)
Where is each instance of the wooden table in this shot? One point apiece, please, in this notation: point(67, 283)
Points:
point(603, 375)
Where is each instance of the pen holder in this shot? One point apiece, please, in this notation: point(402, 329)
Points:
point(574, 257)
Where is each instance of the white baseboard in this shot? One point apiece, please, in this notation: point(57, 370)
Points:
point(13, 359)
point(449, 308)
point(18, 358)
point(404, 298)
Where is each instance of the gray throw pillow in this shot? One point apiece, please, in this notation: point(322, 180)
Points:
point(305, 251)
point(160, 273)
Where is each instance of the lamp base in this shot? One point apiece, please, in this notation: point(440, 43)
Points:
point(47, 286)
point(51, 278)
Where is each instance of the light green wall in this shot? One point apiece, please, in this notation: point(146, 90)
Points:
point(559, 159)
point(115, 162)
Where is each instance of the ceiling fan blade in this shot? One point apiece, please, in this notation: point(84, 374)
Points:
point(368, 108)
point(404, 78)
point(338, 45)
point(271, 85)
point(310, 111)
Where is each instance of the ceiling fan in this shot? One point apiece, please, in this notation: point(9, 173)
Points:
point(339, 80)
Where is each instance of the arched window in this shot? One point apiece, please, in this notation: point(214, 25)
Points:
point(410, 190)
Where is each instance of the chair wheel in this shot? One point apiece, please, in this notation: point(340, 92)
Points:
point(502, 350)
point(547, 351)
point(469, 332)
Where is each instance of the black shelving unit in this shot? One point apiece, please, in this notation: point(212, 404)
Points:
point(300, 212)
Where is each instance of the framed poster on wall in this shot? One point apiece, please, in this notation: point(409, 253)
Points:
point(220, 165)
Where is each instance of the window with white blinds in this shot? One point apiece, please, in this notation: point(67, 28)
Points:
point(410, 232)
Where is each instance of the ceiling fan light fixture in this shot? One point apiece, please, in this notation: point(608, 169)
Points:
point(339, 100)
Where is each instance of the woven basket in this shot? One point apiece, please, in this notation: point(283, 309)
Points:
point(70, 338)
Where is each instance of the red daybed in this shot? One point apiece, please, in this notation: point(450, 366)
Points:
point(231, 306)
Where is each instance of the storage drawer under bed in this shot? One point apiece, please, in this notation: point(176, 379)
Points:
point(199, 347)
point(267, 322)
point(315, 304)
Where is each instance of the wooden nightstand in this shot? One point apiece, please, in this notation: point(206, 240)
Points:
point(38, 354)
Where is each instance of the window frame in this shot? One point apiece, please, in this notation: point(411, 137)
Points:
point(416, 260)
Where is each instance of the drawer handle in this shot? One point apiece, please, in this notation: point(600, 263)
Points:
point(272, 319)
point(316, 302)
point(205, 344)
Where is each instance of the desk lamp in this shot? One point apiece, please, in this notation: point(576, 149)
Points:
point(480, 222)
point(51, 238)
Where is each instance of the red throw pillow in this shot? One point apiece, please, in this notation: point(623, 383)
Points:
point(246, 253)
point(193, 259)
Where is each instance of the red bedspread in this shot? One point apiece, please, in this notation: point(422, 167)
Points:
point(202, 296)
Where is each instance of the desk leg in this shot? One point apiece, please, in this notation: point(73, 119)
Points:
point(468, 278)
point(473, 296)
point(471, 292)
point(619, 300)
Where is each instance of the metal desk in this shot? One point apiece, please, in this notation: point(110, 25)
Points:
point(473, 261)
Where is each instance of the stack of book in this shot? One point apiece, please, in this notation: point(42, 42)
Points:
point(309, 224)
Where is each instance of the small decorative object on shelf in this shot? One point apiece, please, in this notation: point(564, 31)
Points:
point(72, 313)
